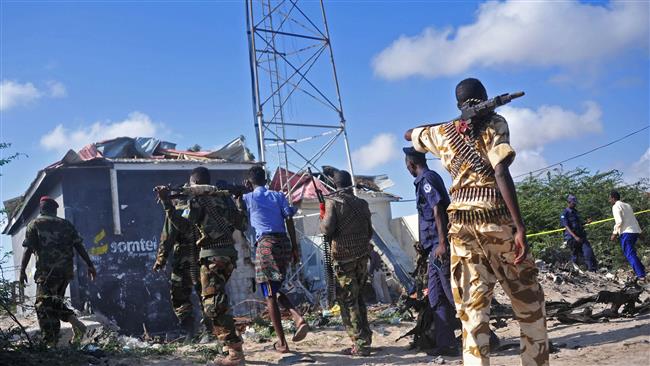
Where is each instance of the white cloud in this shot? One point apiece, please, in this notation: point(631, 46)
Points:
point(381, 149)
point(13, 94)
point(640, 169)
point(538, 33)
point(527, 161)
point(56, 89)
point(137, 124)
point(531, 130)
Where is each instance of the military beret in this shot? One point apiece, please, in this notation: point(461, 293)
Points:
point(48, 199)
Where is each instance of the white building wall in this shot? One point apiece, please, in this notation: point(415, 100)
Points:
point(405, 230)
point(239, 287)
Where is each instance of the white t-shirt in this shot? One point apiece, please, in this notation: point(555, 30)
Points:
point(625, 220)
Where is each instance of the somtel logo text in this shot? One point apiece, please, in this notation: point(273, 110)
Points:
point(141, 246)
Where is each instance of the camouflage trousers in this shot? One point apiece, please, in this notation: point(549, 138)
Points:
point(351, 277)
point(215, 272)
point(50, 306)
point(481, 255)
point(181, 288)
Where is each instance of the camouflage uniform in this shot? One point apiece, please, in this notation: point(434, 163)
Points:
point(53, 240)
point(347, 222)
point(185, 268)
point(216, 217)
point(482, 241)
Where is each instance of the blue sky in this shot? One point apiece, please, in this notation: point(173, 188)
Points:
point(71, 71)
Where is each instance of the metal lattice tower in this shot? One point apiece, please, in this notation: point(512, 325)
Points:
point(296, 98)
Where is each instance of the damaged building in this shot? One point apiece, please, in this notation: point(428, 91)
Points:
point(105, 190)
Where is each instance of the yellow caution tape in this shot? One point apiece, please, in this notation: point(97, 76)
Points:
point(589, 224)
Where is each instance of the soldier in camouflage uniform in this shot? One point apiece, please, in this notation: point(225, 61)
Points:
point(347, 222)
point(216, 216)
point(487, 234)
point(53, 240)
point(185, 271)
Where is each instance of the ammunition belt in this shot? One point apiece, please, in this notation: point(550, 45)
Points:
point(350, 246)
point(195, 269)
point(222, 242)
point(465, 152)
point(473, 194)
point(214, 214)
point(495, 215)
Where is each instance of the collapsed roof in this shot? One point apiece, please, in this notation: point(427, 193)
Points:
point(126, 150)
point(301, 185)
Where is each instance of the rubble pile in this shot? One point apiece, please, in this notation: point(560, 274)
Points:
point(575, 296)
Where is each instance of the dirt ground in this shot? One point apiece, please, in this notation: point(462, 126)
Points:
point(622, 341)
point(619, 342)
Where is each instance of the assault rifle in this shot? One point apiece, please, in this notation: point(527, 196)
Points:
point(187, 191)
point(201, 193)
point(327, 251)
point(482, 109)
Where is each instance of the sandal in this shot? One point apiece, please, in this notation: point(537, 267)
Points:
point(277, 349)
point(301, 332)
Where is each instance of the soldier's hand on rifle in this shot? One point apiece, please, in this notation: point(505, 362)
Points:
point(613, 237)
point(322, 210)
point(92, 273)
point(521, 246)
point(163, 192)
point(157, 266)
point(23, 277)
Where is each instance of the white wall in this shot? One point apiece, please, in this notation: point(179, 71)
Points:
point(405, 230)
point(238, 287)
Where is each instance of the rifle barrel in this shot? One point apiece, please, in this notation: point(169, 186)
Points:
point(516, 95)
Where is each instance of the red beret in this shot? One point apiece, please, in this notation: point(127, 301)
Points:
point(48, 199)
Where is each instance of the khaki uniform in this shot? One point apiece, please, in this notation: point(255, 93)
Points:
point(216, 216)
point(347, 222)
point(482, 241)
point(53, 240)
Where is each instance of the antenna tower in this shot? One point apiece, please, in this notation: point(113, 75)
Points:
point(296, 99)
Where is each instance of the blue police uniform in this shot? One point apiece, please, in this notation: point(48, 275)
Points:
point(579, 251)
point(430, 191)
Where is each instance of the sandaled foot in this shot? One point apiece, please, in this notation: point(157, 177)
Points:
point(301, 332)
point(278, 348)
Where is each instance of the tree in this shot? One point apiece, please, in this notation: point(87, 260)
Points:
point(542, 200)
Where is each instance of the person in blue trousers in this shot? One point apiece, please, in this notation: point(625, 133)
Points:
point(627, 229)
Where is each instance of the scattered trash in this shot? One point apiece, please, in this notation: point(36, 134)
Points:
point(438, 361)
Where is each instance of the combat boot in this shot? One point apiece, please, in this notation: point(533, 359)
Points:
point(78, 329)
point(187, 325)
point(234, 356)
